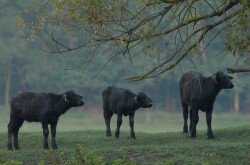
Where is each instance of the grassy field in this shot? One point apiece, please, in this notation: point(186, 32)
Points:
point(159, 139)
point(231, 146)
point(147, 121)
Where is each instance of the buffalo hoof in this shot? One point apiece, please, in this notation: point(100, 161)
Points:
point(17, 147)
point(133, 135)
point(46, 147)
point(211, 136)
point(9, 146)
point(108, 134)
point(185, 129)
point(193, 136)
point(54, 147)
point(117, 134)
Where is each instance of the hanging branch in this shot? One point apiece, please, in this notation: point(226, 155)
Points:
point(238, 70)
point(125, 29)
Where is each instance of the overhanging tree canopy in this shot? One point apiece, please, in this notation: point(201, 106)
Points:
point(124, 27)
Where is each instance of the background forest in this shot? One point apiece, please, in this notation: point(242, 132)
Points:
point(24, 66)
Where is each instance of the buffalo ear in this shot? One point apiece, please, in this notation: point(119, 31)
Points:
point(214, 78)
point(80, 96)
point(136, 99)
point(65, 98)
point(230, 77)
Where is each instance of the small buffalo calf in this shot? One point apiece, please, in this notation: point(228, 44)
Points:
point(199, 92)
point(40, 107)
point(121, 101)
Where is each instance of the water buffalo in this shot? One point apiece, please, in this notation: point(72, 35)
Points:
point(199, 92)
point(122, 101)
point(40, 107)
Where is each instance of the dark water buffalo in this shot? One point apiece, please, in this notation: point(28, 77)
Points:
point(121, 101)
point(40, 107)
point(199, 93)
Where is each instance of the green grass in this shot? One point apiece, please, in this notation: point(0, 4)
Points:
point(231, 146)
point(159, 139)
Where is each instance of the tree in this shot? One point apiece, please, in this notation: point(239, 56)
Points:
point(175, 28)
point(35, 70)
point(10, 45)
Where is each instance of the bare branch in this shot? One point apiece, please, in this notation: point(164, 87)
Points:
point(238, 70)
point(171, 66)
point(122, 31)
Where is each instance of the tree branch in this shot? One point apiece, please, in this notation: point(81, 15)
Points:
point(238, 70)
point(205, 29)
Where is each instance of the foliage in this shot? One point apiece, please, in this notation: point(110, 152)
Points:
point(173, 28)
point(238, 35)
point(168, 162)
point(212, 160)
point(126, 160)
point(81, 157)
point(3, 157)
point(12, 162)
point(4, 160)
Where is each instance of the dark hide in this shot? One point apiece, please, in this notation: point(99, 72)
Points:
point(199, 93)
point(121, 101)
point(39, 107)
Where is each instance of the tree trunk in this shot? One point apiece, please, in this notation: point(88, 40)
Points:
point(236, 98)
point(7, 85)
point(236, 102)
point(169, 101)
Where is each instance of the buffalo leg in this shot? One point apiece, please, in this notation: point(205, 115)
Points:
point(185, 117)
point(45, 135)
point(191, 120)
point(119, 123)
point(10, 133)
point(107, 117)
point(209, 120)
point(53, 135)
point(195, 121)
point(16, 130)
point(131, 124)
